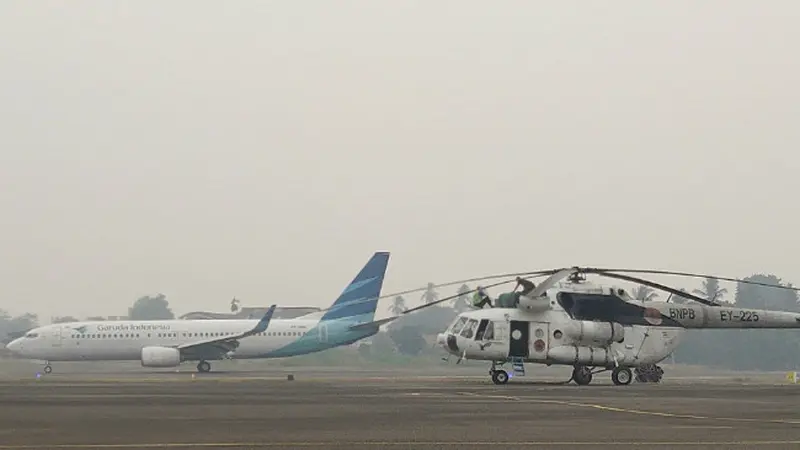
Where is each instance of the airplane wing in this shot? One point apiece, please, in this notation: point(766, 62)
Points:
point(219, 346)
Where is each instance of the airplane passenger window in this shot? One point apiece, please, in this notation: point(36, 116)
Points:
point(469, 330)
point(458, 325)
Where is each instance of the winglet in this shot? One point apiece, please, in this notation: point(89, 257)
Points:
point(262, 324)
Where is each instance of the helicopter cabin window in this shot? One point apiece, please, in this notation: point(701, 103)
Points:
point(488, 333)
point(469, 330)
point(458, 325)
point(480, 334)
point(585, 306)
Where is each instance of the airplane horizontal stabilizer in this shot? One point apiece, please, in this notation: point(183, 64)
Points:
point(374, 324)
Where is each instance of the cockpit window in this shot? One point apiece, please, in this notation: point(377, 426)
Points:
point(32, 335)
point(469, 330)
point(458, 325)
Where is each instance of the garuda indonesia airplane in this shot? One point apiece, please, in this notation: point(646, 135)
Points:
point(168, 343)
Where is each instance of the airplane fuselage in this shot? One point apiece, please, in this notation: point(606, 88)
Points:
point(124, 340)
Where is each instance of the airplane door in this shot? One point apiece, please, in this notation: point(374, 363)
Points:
point(323, 333)
point(519, 337)
point(57, 337)
point(539, 342)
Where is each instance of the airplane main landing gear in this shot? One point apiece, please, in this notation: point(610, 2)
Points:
point(649, 373)
point(203, 367)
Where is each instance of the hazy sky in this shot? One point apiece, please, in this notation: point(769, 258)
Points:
point(264, 150)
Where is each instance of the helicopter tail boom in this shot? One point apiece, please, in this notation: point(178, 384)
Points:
point(699, 316)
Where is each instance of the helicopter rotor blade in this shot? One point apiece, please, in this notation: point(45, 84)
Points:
point(450, 297)
point(525, 275)
point(654, 285)
point(692, 275)
point(558, 275)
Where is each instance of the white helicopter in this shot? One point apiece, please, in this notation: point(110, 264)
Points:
point(591, 327)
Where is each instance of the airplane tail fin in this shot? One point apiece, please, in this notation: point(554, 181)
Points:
point(359, 300)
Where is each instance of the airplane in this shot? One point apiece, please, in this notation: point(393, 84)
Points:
point(593, 328)
point(168, 343)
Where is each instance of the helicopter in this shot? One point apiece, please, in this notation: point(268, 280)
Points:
point(567, 321)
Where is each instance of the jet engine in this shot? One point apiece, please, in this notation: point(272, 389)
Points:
point(589, 332)
point(160, 357)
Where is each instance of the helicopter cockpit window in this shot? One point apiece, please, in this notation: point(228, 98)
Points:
point(469, 330)
point(458, 325)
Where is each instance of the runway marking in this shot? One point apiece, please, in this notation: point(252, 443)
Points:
point(329, 444)
point(632, 411)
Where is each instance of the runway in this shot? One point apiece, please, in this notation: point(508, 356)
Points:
point(384, 411)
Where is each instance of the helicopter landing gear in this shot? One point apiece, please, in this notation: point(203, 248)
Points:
point(203, 367)
point(499, 376)
point(649, 373)
point(582, 375)
point(621, 376)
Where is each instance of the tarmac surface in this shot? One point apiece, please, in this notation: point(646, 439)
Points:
point(383, 410)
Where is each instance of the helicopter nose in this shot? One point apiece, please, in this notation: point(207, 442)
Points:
point(441, 339)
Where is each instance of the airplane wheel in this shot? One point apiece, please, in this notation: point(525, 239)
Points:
point(621, 376)
point(582, 375)
point(203, 367)
point(48, 369)
point(500, 377)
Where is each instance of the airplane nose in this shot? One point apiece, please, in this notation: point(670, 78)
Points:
point(15, 346)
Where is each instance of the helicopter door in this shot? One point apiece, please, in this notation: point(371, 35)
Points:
point(519, 337)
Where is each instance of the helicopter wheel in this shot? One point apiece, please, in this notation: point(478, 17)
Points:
point(621, 376)
point(582, 375)
point(649, 373)
point(499, 376)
